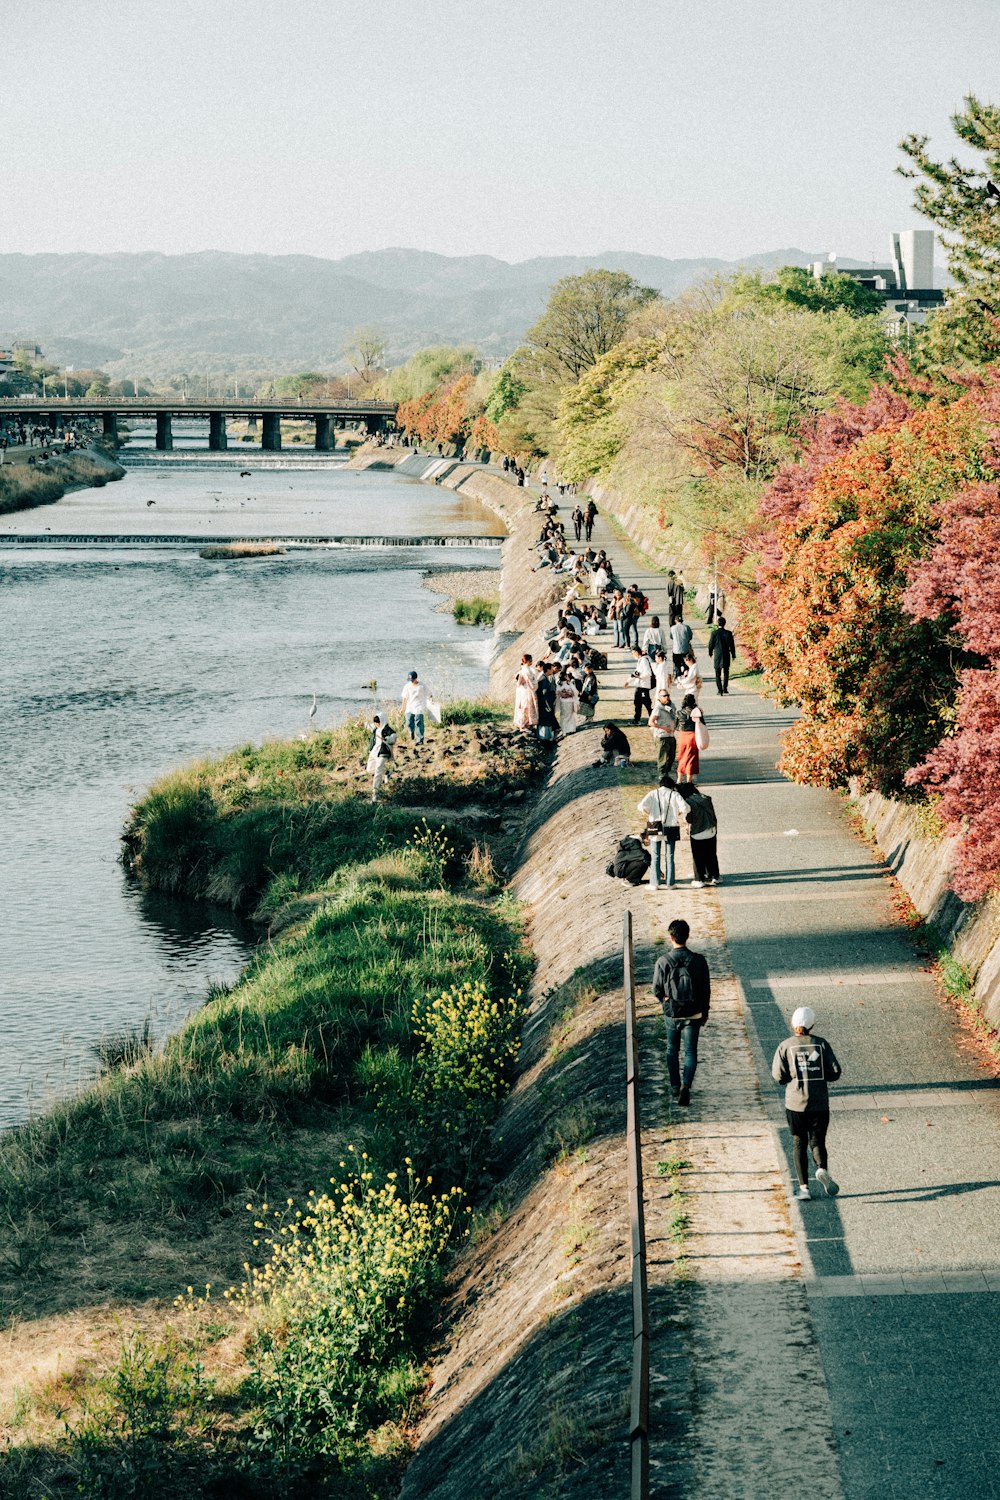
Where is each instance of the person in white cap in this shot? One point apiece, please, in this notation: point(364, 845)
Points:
point(806, 1064)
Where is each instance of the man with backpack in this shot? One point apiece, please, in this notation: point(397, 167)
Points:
point(806, 1064)
point(683, 986)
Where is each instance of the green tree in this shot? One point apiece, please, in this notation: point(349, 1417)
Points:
point(586, 316)
point(365, 349)
point(954, 196)
point(590, 423)
point(505, 394)
point(428, 369)
point(794, 286)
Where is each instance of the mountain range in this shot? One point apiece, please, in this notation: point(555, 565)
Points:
point(153, 314)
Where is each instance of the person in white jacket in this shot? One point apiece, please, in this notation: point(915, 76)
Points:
point(664, 810)
point(415, 695)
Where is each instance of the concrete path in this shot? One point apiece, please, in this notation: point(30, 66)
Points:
point(871, 1337)
point(915, 1132)
point(732, 1336)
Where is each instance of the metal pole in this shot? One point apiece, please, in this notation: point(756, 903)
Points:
point(639, 1405)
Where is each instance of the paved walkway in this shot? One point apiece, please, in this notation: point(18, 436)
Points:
point(839, 1354)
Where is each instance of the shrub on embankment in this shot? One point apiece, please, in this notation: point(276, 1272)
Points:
point(23, 486)
point(362, 1054)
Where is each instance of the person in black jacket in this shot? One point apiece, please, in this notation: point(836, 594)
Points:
point(548, 724)
point(615, 748)
point(683, 985)
point(722, 650)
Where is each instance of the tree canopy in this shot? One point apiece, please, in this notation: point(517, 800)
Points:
point(586, 316)
point(954, 196)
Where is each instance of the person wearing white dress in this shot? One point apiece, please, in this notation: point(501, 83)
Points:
point(526, 695)
point(567, 702)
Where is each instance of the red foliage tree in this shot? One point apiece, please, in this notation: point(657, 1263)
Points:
point(875, 684)
point(958, 588)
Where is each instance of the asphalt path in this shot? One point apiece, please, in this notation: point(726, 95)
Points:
point(903, 1266)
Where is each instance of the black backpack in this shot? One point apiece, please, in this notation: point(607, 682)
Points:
point(701, 812)
point(680, 990)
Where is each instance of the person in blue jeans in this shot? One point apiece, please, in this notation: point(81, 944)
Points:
point(415, 695)
point(664, 810)
point(683, 985)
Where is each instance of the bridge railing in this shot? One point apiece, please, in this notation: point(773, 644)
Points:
point(193, 404)
point(639, 1403)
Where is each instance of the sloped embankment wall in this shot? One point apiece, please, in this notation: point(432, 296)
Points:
point(923, 868)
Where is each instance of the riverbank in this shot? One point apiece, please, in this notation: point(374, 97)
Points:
point(24, 486)
point(374, 1029)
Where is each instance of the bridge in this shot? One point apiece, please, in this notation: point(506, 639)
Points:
point(54, 412)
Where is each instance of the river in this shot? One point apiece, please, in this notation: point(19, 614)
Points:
point(121, 662)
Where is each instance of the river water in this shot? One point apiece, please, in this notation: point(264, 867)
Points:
point(121, 662)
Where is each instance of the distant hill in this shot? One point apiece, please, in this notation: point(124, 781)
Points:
point(160, 314)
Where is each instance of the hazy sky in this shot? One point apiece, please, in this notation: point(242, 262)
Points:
point(530, 127)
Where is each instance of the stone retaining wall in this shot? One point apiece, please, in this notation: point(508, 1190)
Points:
point(923, 868)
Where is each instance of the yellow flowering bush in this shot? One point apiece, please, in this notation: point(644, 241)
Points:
point(345, 1282)
point(468, 1043)
point(434, 850)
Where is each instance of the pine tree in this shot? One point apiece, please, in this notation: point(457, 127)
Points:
point(955, 196)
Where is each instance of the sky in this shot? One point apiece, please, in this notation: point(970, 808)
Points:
point(682, 128)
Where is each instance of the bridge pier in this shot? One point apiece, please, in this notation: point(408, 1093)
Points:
point(164, 431)
point(109, 420)
point(270, 436)
point(374, 423)
point(324, 435)
point(53, 421)
point(218, 439)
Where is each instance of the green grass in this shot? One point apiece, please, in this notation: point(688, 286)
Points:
point(374, 1036)
point(478, 611)
point(293, 811)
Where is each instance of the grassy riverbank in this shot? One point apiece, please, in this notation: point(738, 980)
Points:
point(362, 1054)
point(24, 485)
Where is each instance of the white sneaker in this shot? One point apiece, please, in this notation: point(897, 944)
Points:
point(698, 884)
point(803, 1190)
point(831, 1188)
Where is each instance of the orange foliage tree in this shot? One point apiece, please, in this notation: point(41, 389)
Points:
point(876, 685)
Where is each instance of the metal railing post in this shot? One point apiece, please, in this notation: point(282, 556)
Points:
point(639, 1406)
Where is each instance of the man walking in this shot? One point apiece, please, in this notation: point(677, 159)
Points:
point(722, 650)
point(589, 517)
point(415, 695)
point(663, 722)
point(675, 597)
point(577, 519)
point(680, 644)
point(641, 683)
point(683, 986)
point(806, 1064)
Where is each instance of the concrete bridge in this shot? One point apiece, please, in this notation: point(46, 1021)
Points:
point(55, 412)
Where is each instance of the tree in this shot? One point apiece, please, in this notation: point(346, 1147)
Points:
point(876, 685)
point(793, 286)
point(590, 428)
point(957, 588)
point(586, 316)
point(505, 394)
point(953, 195)
point(365, 349)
